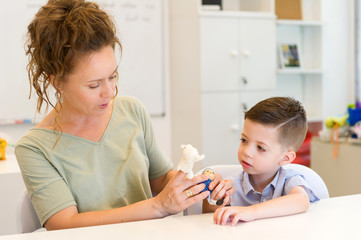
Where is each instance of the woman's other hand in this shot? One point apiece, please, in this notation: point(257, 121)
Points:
point(180, 193)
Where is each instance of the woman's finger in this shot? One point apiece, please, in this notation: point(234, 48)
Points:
point(215, 182)
point(187, 183)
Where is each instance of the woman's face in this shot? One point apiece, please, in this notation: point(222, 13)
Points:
point(90, 87)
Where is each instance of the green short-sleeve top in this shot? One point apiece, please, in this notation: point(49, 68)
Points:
point(111, 173)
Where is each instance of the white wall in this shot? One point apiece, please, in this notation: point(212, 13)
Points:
point(338, 47)
point(162, 125)
point(338, 73)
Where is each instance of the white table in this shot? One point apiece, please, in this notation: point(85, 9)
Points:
point(11, 187)
point(334, 218)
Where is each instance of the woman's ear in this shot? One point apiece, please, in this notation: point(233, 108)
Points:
point(51, 80)
point(55, 83)
point(288, 157)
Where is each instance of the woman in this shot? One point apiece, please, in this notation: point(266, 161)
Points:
point(93, 159)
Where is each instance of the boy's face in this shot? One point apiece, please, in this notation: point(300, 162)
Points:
point(260, 152)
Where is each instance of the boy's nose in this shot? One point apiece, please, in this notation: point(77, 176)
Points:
point(247, 152)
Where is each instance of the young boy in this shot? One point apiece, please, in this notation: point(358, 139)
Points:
point(273, 131)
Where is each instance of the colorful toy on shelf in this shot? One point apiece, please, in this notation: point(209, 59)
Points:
point(190, 156)
point(356, 130)
point(339, 127)
point(3, 145)
point(331, 122)
point(354, 115)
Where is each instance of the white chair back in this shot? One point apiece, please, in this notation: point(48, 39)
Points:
point(27, 219)
point(312, 178)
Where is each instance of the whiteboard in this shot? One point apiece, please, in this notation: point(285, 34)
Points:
point(140, 26)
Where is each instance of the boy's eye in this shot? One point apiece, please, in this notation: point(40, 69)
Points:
point(243, 140)
point(261, 148)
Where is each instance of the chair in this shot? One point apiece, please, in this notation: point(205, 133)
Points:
point(311, 177)
point(27, 219)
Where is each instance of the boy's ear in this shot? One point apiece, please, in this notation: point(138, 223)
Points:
point(287, 158)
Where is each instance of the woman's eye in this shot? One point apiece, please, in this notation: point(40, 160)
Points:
point(243, 140)
point(113, 77)
point(94, 86)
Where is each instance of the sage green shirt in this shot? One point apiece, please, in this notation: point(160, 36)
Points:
point(111, 173)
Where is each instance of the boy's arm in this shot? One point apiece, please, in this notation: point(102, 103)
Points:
point(296, 201)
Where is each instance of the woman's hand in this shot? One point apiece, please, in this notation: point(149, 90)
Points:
point(180, 193)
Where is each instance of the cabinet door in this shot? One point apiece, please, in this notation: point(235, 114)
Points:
point(249, 99)
point(220, 127)
point(258, 53)
point(219, 53)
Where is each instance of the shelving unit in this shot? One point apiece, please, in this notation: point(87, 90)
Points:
point(306, 83)
point(231, 63)
point(234, 45)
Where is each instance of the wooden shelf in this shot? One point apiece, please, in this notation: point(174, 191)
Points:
point(298, 23)
point(248, 14)
point(314, 119)
point(299, 71)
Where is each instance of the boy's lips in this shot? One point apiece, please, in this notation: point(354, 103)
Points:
point(246, 165)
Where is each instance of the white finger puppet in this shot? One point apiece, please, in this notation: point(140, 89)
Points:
point(190, 156)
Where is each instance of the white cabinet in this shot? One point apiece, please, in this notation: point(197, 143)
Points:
point(237, 52)
point(213, 52)
point(238, 69)
point(219, 46)
point(221, 119)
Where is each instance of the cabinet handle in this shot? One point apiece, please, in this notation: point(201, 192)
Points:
point(235, 127)
point(244, 80)
point(244, 106)
point(245, 53)
point(234, 53)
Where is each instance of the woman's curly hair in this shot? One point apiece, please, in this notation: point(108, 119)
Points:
point(61, 31)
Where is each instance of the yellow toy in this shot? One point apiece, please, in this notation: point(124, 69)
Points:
point(335, 123)
point(3, 145)
point(339, 121)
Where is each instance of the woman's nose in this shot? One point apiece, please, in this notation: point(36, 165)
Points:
point(108, 90)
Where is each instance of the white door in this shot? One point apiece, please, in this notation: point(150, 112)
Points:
point(258, 53)
point(220, 127)
point(219, 53)
point(249, 99)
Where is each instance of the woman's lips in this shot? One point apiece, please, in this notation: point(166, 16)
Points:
point(103, 106)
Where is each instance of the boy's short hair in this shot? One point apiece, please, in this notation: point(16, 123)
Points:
point(284, 113)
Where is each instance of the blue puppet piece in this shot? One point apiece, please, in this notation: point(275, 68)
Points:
point(210, 174)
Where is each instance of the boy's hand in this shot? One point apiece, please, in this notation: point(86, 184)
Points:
point(233, 214)
point(221, 189)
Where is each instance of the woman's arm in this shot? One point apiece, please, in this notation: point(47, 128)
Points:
point(172, 199)
point(296, 201)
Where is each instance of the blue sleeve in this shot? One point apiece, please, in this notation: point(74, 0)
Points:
point(298, 180)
